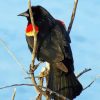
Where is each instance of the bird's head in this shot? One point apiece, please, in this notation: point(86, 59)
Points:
point(43, 20)
point(35, 11)
point(29, 28)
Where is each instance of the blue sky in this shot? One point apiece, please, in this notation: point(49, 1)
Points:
point(84, 35)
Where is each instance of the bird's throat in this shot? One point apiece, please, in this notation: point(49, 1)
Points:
point(30, 31)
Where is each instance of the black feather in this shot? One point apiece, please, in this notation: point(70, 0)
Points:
point(54, 47)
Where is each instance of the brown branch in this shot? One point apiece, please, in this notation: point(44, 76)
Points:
point(43, 74)
point(14, 94)
point(51, 92)
point(34, 32)
point(34, 51)
point(84, 71)
point(39, 97)
point(17, 85)
point(73, 16)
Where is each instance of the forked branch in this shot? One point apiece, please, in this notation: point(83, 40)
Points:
point(84, 71)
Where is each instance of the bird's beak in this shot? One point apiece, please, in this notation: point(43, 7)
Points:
point(25, 14)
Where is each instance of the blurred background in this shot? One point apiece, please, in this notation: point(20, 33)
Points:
point(85, 37)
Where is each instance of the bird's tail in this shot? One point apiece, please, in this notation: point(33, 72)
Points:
point(64, 84)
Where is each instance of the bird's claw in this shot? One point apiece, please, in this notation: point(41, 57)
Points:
point(33, 68)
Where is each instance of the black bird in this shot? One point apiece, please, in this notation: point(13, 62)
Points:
point(54, 47)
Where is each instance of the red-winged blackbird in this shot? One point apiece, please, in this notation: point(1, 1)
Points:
point(54, 47)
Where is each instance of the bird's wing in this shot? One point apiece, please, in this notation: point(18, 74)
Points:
point(64, 42)
point(55, 45)
point(63, 39)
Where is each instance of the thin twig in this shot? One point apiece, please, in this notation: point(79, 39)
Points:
point(8, 86)
point(39, 97)
point(43, 74)
point(51, 92)
point(96, 77)
point(34, 50)
point(88, 85)
point(3, 43)
point(14, 94)
point(84, 71)
point(73, 16)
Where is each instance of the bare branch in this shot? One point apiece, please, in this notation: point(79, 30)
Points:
point(51, 92)
point(14, 94)
point(96, 77)
point(89, 85)
point(73, 16)
point(9, 86)
point(84, 71)
point(13, 56)
point(34, 32)
point(34, 50)
point(39, 97)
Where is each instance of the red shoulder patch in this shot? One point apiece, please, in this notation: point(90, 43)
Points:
point(29, 28)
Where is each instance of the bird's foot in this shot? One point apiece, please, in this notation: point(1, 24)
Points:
point(33, 68)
